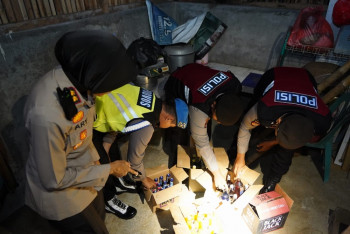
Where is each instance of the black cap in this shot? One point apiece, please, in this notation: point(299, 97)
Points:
point(228, 109)
point(295, 131)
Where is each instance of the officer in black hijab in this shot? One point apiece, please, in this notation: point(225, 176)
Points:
point(64, 178)
point(83, 57)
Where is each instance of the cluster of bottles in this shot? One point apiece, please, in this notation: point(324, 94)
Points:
point(162, 183)
point(235, 190)
point(201, 223)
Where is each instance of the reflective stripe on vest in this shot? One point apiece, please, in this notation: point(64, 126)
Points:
point(117, 108)
point(130, 128)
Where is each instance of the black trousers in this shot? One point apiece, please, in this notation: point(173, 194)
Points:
point(275, 162)
point(90, 220)
point(109, 188)
point(177, 136)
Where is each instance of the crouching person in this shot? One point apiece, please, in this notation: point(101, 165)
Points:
point(136, 112)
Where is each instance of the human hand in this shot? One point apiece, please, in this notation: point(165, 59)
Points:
point(148, 183)
point(120, 168)
point(219, 180)
point(238, 165)
point(265, 146)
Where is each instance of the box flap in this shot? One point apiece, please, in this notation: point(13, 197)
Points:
point(167, 194)
point(148, 194)
point(222, 159)
point(195, 173)
point(183, 160)
point(205, 180)
point(177, 215)
point(285, 195)
point(181, 229)
point(186, 197)
point(272, 208)
point(156, 170)
point(179, 173)
point(265, 197)
point(248, 176)
point(247, 196)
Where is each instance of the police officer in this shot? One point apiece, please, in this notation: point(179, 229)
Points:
point(289, 113)
point(63, 175)
point(210, 94)
point(136, 112)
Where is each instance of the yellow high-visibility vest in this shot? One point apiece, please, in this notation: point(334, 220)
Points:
point(115, 109)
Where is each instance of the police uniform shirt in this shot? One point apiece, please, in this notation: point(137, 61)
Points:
point(62, 178)
point(200, 112)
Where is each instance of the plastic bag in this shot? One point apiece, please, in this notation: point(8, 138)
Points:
point(341, 13)
point(145, 52)
point(311, 29)
point(208, 35)
point(161, 24)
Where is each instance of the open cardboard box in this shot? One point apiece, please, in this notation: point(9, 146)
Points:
point(228, 214)
point(199, 179)
point(271, 211)
point(166, 198)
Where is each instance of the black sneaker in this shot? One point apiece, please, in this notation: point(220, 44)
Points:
point(125, 184)
point(120, 209)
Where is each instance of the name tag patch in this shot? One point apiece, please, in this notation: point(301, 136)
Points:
point(212, 83)
point(296, 98)
point(145, 99)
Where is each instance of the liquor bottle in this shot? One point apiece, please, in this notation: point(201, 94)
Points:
point(225, 196)
point(159, 187)
point(228, 180)
point(171, 182)
point(161, 180)
point(239, 189)
point(168, 178)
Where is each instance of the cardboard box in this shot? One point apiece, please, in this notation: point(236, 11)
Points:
point(224, 211)
point(267, 212)
point(168, 197)
point(199, 179)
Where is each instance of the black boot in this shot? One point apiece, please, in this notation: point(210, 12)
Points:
point(270, 183)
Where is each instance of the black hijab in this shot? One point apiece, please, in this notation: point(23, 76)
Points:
point(94, 60)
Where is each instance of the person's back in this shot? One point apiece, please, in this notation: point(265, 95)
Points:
point(210, 94)
point(289, 113)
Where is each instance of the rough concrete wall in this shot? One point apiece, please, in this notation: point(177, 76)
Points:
point(254, 35)
point(26, 56)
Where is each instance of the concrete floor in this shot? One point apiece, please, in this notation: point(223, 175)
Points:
point(313, 199)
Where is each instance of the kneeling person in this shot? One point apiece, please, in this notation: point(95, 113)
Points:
point(137, 112)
